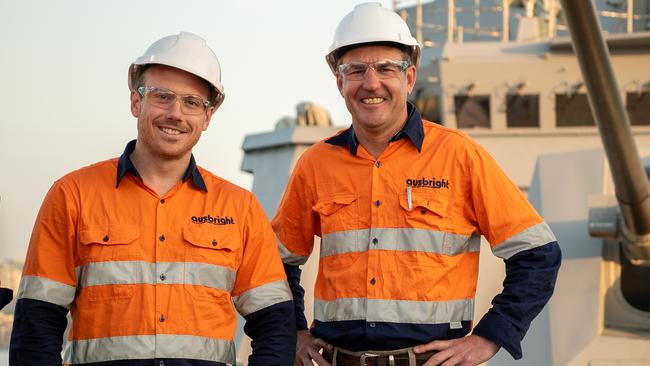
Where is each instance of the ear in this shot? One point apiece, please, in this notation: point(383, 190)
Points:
point(339, 83)
point(411, 76)
point(135, 104)
point(208, 116)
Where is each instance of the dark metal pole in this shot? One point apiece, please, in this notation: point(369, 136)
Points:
point(632, 187)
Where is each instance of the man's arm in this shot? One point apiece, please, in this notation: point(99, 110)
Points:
point(48, 285)
point(273, 335)
point(298, 293)
point(295, 225)
point(529, 283)
point(262, 295)
point(519, 236)
point(37, 336)
point(532, 256)
point(530, 279)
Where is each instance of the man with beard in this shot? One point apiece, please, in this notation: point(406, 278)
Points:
point(149, 251)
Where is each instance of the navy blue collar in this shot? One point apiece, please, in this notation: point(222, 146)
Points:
point(125, 165)
point(412, 130)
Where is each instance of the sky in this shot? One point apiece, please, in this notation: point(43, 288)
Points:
point(63, 84)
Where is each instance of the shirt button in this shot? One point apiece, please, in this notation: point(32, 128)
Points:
point(378, 164)
point(162, 201)
point(214, 243)
point(162, 238)
point(375, 241)
point(105, 238)
point(162, 318)
point(163, 277)
point(377, 203)
point(373, 281)
point(371, 324)
point(161, 363)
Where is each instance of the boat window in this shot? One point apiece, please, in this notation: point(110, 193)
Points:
point(522, 110)
point(573, 110)
point(472, 111)
point(638, 108)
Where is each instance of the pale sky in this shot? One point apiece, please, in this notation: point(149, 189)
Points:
point(64, 94)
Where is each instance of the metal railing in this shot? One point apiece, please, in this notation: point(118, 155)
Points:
point(548, 12)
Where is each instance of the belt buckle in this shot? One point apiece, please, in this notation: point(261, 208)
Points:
point(365, 356)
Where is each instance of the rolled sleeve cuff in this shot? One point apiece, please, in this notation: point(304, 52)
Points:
point(262, 297)
point(495, 328)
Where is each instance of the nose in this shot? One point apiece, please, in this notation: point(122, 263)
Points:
point(174, 111)
point(371, 80)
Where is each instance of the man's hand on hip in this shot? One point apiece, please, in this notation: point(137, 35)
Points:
point(308, 348)
point(467, 351)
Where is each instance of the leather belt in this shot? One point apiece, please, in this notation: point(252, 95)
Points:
point(403, 357)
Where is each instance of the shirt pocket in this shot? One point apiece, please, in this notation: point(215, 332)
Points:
point(101, 243)
point(212, 245)
point(340, 239)
point(426, 210)
point(211, 259)
point(338, 213)
point(104, 252)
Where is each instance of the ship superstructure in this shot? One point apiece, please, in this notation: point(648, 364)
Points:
point(505, 73)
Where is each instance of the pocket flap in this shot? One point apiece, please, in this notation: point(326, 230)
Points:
point(435, 203)
point(210, 237)
point(115, 235)
point(328, 206)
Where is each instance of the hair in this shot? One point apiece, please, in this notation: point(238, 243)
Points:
point(139, 73)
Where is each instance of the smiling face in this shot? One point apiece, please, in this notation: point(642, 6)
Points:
point(168, 133)
point(377, 105)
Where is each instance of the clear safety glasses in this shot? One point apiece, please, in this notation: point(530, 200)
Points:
point(164, 98)
point(384, 69)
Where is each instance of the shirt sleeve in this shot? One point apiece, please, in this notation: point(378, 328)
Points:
point(519, 236)
point(261, 293)
point(37, 334)
point(298, 293)
point(295, 224)
point(529, 283)
point(48, 285)
point(273, 334)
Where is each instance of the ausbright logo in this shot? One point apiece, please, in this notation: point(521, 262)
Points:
point(217, 220)
point(427, 183)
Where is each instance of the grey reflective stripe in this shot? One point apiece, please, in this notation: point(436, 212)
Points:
point(149, 347)
point(290, 258)
point(136, 272)
point(341, 242)
point(114, 273)
point(262, 296)
point(399, 239)
point(210, 276)
point(394, 311)
point(533, 237)
point(45, 289)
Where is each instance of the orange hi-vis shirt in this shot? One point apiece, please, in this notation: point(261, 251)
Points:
point(400, 235)
point(147, 277)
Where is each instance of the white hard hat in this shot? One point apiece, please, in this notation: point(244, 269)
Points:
point(371, 23)
point(187, 52)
